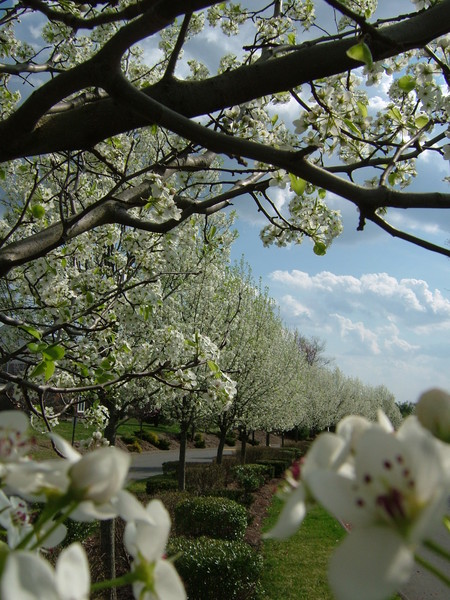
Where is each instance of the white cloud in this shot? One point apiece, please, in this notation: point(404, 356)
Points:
point(380, 328)
point(296, 308)
point(368, 338)
point(377, 103)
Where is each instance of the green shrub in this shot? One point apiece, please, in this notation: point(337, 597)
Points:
point(199, 441)
point(250, 477)
point(128, 439)
point(78, 531)
point(134, 446)
point(159, 483)
point(203, 477)
point(278, 466)
point(171, 466)
point(230, 439)
point(215, 517)
point(164, 444)
point(217, 569)
point(238, 495)
point(148, 436)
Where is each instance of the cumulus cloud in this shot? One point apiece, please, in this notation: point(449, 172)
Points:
point(380, 328)
point(368, 338)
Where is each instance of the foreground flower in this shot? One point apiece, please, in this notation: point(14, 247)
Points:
point(394, 498)
point(91, 481)
point(327, 453)
point(145, 538)
point(28, 575)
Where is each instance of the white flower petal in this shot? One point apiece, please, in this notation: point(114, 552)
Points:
point(328, 452)
point(65, 448)
point(72, 574)
point(148, 536)
point(129, 507)
point(27, 576)
point(371, 563)
point(291, 516)
point(56, 537)
point(99, 475)
point(336, 494)
point(168, 584)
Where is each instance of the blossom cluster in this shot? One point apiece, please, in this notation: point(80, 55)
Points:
point(389, 488)
point(81, 487)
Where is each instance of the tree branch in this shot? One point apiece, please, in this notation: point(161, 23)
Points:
point(83, 127)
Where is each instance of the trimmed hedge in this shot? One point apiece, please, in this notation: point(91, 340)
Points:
point(161, 483)
point(212, 516)
point(153, 438)
point(251, 477)
point(278, 466)
point(148, 436)
point(217, 569)
point(239, 496)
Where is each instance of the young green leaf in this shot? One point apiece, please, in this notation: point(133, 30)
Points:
point(49, 369)
point(406, 83)
point(352, 126)
point(320, 249)
point(38, 211)
point(31, 331)
point(361, 52)
point(39, 369)
point(298, 185)
point(54, 352)
point(421, 121)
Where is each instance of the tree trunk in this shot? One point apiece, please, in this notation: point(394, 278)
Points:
point(221, 446)
point(267, 438)
point(182, 457)
point(108, 554)
point(243, 445)
point(282, 439)
point(108, 528)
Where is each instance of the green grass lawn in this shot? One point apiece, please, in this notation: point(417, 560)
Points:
point(43, 450)
point(297, 568)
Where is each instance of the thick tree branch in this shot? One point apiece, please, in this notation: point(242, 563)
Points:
point(84, 127)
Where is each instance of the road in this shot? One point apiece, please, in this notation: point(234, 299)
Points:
point(147, 464)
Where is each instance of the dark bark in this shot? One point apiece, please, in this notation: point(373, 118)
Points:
point(244, 437)
point(182, 456)
point(108, 554)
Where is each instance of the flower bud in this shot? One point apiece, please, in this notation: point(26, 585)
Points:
point(433, 412)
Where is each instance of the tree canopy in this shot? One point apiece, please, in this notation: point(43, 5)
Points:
point(102, 83)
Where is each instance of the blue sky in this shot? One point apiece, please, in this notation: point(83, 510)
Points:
point(381, 305)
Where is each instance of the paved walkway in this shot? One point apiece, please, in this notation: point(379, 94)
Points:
point(146, 464)
point(423, 585)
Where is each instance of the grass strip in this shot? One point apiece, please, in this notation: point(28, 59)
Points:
point(297, 568)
